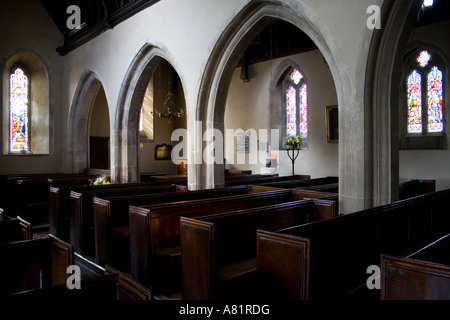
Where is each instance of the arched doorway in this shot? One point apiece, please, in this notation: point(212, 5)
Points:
point(219, 71)
point(256, 104)
point(125, 138)
point(78, 125)
point(99, 136)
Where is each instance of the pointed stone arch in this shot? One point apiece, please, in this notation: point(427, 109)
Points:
point(78, 125)
point(383, 76)
point(219, 71)
point(125, 137)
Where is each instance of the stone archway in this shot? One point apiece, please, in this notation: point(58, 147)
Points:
point(77, 153)
point(381, 99)
point(125, 137)
point(204, 173)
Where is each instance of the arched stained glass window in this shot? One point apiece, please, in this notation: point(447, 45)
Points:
point(435, 115)
point(19, 89)
point(291, 111)
point(425, 95)
point(296, 105)
point(414, 102)
point(304, 110)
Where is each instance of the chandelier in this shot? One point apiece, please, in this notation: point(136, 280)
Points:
point(169, 108)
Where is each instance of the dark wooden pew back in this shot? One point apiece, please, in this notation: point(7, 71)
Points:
point(423, 275)
point(300, 183)
point(340, 250)
point(219, 251)
point(15, 229)
point(82, 216)
point(155, 230)
point(60, 202)
point(415, 187)
point(111, 216)
point(251, 179)
point(33, 264)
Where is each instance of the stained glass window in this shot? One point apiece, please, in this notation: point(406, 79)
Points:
point(296, 76)
point(296, 104)
point(435, 117)
point(291, 111)
point(425, 94)
point(424, 58)
point(18, 111)
point(304, 111)
point(414, 102)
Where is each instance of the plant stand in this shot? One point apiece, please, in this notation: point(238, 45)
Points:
point(293, 154)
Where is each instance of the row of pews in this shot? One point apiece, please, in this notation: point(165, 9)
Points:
point(71, 219)
point(156, 239)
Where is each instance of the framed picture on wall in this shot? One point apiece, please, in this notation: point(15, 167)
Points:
point(332, 122)
point(163, 152)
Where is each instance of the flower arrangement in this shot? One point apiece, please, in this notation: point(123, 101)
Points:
point(102, 179)
point(293, 142)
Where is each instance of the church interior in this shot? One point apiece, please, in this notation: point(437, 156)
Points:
point(208, 150)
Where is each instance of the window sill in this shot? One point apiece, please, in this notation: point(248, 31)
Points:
point(428, 142)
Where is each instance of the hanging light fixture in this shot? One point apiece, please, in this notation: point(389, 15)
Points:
point(169, 108)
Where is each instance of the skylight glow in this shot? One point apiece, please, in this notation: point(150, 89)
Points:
point(428, 3)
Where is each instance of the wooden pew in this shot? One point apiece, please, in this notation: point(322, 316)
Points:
point(9, 189)
point(219, 251)
point(155, 229)
point(101, 288)
point(415, 187)
point(70, 180)
point(113, 285)
point(33, 264)
point(31, 195)
point(250, 179)
point(33, 200)
point(60, 203)
point(111, 216)
point(14, 229)
point(328, 259)
point(82, 216)
point(301, 183)
point(423, 275)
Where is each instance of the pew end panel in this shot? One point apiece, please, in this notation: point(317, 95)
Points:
point(62, 258)
point(15, 229)
point(410, 279)
point(102, 225)
point(140, 245)
point(26, 229)
point(33, 264)
point(197, 247)
point(325, 209)
point(282, 266)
